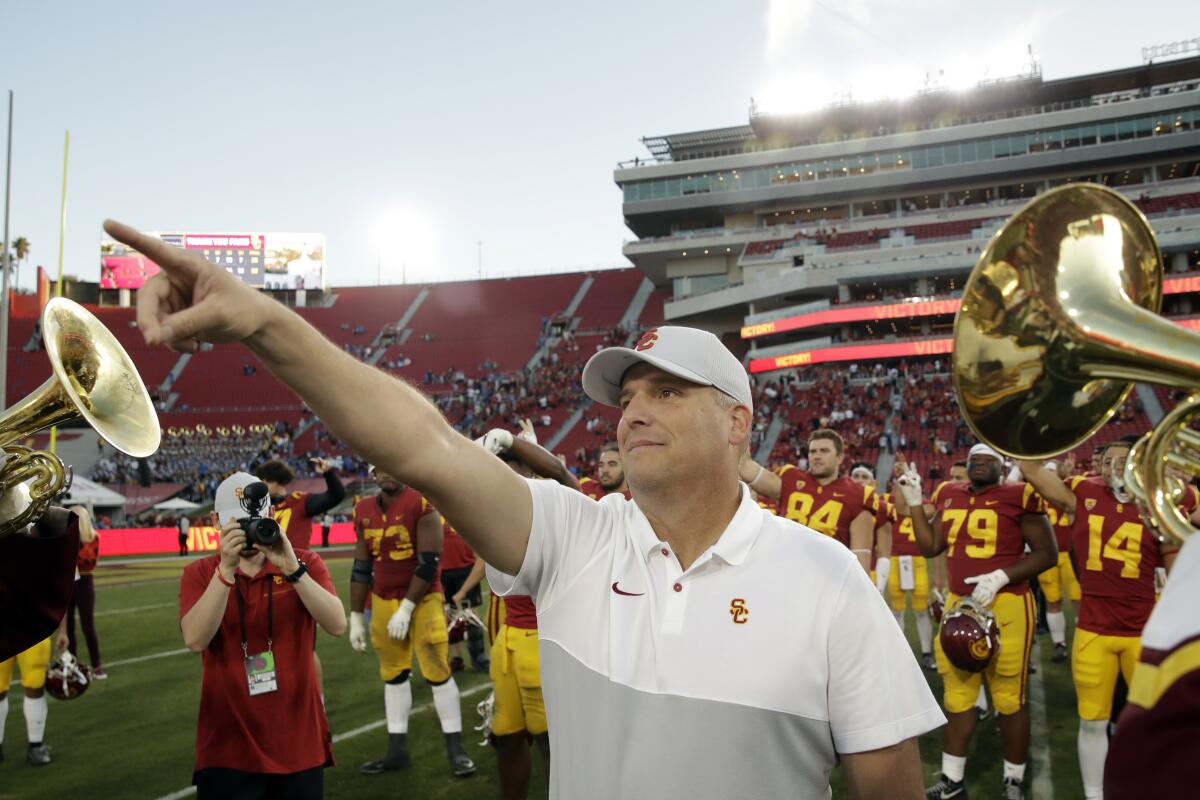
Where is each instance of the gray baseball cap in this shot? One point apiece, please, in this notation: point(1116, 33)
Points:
point(696, 356)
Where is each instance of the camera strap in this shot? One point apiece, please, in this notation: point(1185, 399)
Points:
point(237, 590)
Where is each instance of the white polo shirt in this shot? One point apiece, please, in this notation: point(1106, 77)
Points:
point(742, 677)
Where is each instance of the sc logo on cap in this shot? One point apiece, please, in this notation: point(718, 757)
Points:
point(648, 340)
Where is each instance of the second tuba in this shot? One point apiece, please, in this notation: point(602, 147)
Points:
point(1058, 319)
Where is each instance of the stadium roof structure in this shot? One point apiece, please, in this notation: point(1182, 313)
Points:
point(930, 108)
point(986, 100)
point(665, 148)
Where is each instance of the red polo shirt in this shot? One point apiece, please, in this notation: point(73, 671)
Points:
point(279, 732)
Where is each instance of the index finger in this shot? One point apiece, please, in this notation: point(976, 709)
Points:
point(170, 259)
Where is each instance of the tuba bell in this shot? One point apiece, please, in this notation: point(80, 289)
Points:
point(92, 379)
point(1058, 319)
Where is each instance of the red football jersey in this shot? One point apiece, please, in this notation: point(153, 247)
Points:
point(827, 509)
point(885, 512)
point(767, 504)
point(983, 529)
point(904, 539)
point(519, 612)
point(391, 534)
point(456, 553)
point(591, 488)
point(293, 520)
point(89, 554)
point(1116, 556)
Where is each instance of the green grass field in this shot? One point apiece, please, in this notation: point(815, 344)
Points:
point(132, 736)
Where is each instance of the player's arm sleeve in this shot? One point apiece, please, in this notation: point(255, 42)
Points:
point(871, 708)
point(565, 535)
point(334, 492)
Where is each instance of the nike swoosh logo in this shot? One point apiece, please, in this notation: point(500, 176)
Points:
point(990, 502)
point(626, 594)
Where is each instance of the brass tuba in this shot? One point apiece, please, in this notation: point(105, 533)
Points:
point(92, 379)
point(1058, 319)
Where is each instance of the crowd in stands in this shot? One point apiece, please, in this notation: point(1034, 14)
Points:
point(201, 460)
point(854, 402)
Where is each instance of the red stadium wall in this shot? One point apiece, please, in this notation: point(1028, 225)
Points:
point(146, 541)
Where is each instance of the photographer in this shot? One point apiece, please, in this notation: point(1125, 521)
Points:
point(251, 611)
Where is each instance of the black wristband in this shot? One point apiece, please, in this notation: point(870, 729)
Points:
point(298, 574)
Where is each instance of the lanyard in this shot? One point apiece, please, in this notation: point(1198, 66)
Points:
point(237, 590)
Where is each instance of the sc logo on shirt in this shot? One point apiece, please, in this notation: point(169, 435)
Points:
point(739, 611)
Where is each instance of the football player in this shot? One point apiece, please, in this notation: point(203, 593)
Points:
point(459, 564)
point(1059, 582)
point(1162, 715)
point(397, 549)
point(818, 497)
point(862, 474)
point(1118, 557)
point(295, 511)
point(519, 713)
point(610, 475)
point(910, 577)
point(983, 527)
point(33, 664)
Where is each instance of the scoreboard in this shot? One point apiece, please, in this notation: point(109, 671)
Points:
point(282, 261)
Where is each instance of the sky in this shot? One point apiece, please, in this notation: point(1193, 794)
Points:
point(408, 132)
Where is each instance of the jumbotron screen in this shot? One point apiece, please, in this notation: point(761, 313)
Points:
point(265, 260)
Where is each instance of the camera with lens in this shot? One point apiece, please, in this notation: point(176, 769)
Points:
point(259, 529)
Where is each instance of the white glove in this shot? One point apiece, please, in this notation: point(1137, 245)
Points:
point(358, 632)
point(487, 710)
point(397, 626)
point(909, 485)
point(497, 440)
point(883, 568)
point(527, 432)
point(987, 585)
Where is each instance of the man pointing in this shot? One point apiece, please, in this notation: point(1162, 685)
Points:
point(659, 618)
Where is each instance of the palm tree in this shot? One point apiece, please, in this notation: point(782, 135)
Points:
point(20, 248)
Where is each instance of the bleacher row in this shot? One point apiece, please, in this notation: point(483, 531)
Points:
point(834, 239)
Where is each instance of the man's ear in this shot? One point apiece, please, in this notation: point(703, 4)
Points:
point(743, 419)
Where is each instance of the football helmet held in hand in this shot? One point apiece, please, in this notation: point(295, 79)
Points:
point(459, 619)
point(66, 678)
point(970, 637)
point(937, 604)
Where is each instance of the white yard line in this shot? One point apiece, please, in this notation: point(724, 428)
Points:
point(150, 657)
point(1043, 782)
point(111, 611)
point(341, 737)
